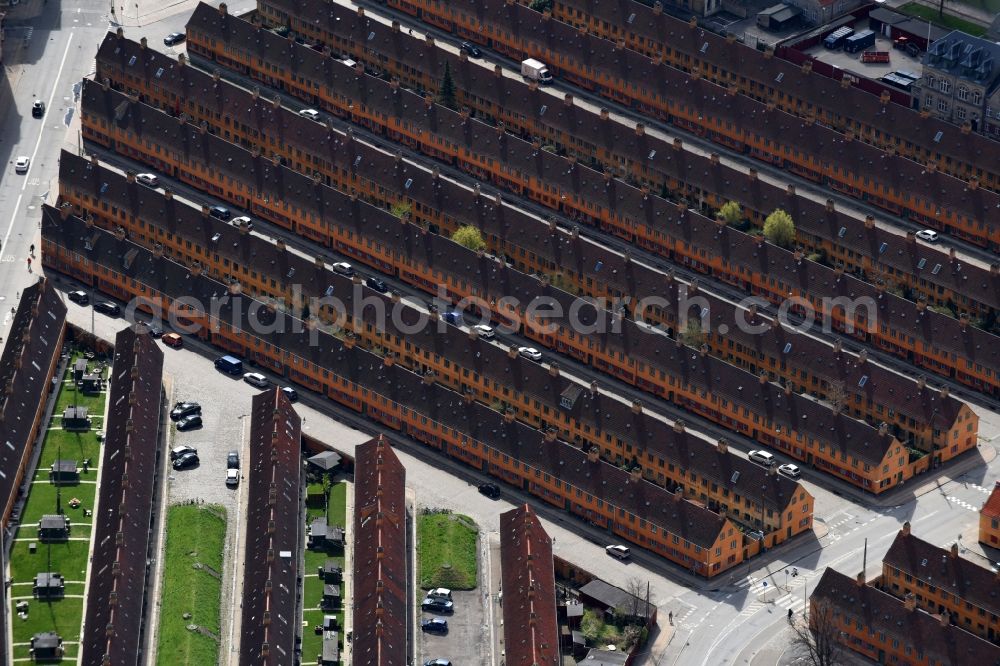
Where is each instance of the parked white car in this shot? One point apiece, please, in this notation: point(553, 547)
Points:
point(256, 379)
point(762, 457)
point(530, 353)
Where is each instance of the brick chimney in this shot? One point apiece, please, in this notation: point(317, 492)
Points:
point(722, 446)
point(905, 530)
point(910, 602)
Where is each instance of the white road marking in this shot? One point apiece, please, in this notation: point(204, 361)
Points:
point(38, 142)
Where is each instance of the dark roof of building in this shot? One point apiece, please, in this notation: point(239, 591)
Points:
point(510, 95)
point(49, 579)
point(75, 412)
point(744, 60)
point(877, 611)
point(599, 657)
point(656, 441)
point(530, 626)
point(615, 597)
point(121, 528)
point(47, 640)
point(63, 466)
point(30, 352)
point(496, 280)
point(53, 521)
point(946, 570)
point(935, 331)
point(670, 512)
point(269, 623)
point(969, 58)
point(380, 564)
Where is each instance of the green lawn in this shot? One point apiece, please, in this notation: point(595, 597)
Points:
point(312, 592)
point(948, 21)
point(71, 446)
point(69, 558)
point(42, 501)
point(446, 551)
point(196, 536)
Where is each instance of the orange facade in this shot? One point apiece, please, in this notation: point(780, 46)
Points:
point(727, 551)
point(989, 519)
point(892, 196)
point(585, 209)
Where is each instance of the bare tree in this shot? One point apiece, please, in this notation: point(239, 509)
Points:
point(817, 639)
point(838, 396)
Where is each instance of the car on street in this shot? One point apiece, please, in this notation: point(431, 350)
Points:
point(484, 331)
point(762, 457)
point(182, 409)
point(232, 477)
point(189, 422)
point(79, 297)
point(928, 235)
point(174, 38)
point(243, 222)
point(108, 308)
point(790, 470)
point(619, 551)
point(290, 393)
point(173, 340)
point(343, 268)
point(21, 165)
point(256, 379)
point(437, 662)
point(435, 625)
point(154, 331)
point(220, 212)
point(186, 460)
point(311, 114)
point(148, 179)
point(435, 605)
point(378, 285)
point(37, 109)
point(490, 490)
point(233, 460)
point(472, 50)
point(178, 451)
point(530, 353)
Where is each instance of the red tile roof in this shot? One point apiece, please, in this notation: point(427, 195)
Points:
point(992, 506)
point(381, 600)
point(530, 629)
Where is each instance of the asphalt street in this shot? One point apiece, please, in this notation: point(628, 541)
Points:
point(737, 619)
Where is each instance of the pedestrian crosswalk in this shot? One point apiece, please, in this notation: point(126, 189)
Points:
point(763, 593)
point(962, 503)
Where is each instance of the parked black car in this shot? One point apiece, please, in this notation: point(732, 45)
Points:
point(378, 285)
point(78, 296)
point(435, 625)
point(491, 490)
point(174, 38)
point(108, 308)
point(189, 422)
point(437, 605)
point(38, 109)
point(182, 409)
point(220, 212)
point(472, 50)
point(233, 460)
point(186, 460)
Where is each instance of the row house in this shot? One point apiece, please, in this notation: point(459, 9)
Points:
point(623, 434)
point(30, 358)
point(525, 110)
point(688, 100)
point(271, 574)
point(889, 630)
point(528, 580)
point(131, 471)
point(563, 475)
point(872, 459)
point(924, 419)
point(804, 363)
point(382, 591)
point(759, 75)
point(945, 424)
point(989, 519)
point(923, 337)
point(941, 582)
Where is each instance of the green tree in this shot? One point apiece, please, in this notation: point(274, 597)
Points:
point(731, 213)
point(446, 95)
point(541, 5)
point(692, 335)
point(469, 237)
point(779, 228)
point(400, 209)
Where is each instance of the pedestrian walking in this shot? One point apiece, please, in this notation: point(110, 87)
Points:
point(29, 264)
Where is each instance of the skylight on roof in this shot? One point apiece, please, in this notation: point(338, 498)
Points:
point(371, 35)
point(631, 17)
point(542, 111)
point(882, 248)
point(936, 269)
point(651, 155)
point(704, 47)
point(779, 77)
point(788, 347)
point(842, 232)
point(408, 183)
point(863, 380)
point(937, 137)
point(159, 72)
point(131, 61)
point(921, 263)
